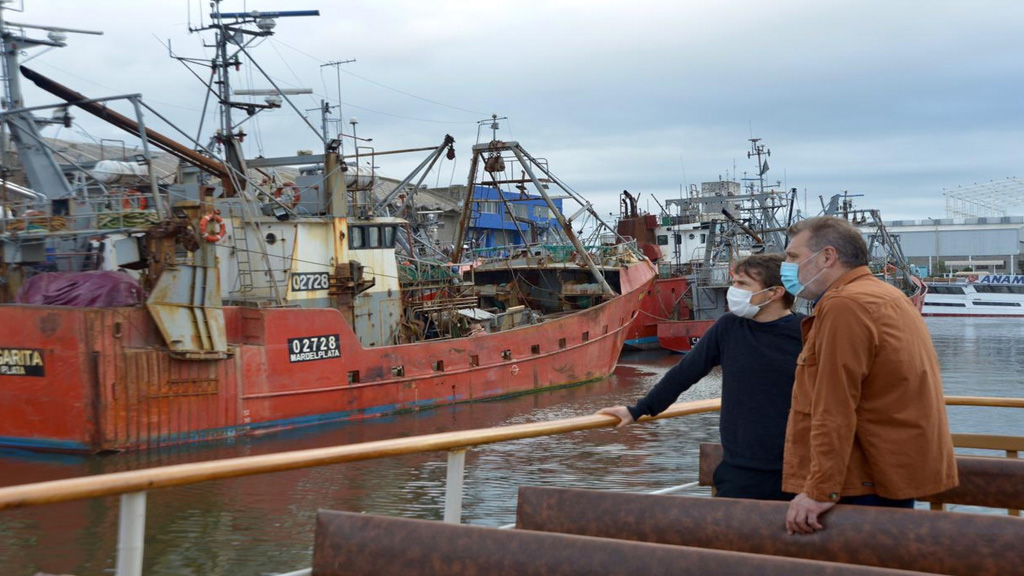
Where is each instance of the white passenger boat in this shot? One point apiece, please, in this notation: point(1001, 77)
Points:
point(989, 295)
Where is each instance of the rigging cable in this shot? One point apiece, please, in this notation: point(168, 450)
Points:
point(385, 86)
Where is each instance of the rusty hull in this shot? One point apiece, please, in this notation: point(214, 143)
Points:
point(109, 382)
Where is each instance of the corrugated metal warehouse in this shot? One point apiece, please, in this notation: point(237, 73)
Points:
point(988, 244)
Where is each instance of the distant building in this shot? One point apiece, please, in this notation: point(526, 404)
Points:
point(988, 244)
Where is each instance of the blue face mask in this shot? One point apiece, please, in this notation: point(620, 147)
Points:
point(790, 272)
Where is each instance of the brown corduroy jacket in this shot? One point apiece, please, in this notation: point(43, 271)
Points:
point(868, 414)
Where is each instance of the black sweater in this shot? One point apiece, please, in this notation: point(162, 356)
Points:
point(758, 361)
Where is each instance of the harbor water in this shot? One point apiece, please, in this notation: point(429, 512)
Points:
point(264, 524)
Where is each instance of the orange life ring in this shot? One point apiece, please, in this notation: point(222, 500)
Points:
point(212, 237)
point(293, 191)
point(131, 197)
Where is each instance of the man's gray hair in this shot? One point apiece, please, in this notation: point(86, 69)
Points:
point(835, 232)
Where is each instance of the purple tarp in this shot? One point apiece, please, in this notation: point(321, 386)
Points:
point(98, 289)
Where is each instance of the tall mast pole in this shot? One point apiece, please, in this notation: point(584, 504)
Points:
point(341, 117)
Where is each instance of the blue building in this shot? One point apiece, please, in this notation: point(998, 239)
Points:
point(519, 219)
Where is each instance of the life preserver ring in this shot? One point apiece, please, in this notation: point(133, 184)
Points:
point(289, 190)
point(133, 200)
point(212, 237)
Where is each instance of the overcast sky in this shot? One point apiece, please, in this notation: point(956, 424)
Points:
point(895, 100)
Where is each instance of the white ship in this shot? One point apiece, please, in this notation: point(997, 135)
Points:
point(989, 295)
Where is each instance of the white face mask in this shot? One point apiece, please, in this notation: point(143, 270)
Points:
point(739, 302)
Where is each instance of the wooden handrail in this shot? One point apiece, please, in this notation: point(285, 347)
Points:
point(988, 401)
point(177, 475)
point(181, 474)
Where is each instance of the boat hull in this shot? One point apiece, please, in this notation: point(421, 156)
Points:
point(663, 302)
point(680, 336)
point(91, 380)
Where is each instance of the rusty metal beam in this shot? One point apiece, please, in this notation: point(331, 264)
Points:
point(992, 482)
point(984, 481)
point(127, 124)
point(711, 455)
point(350, 544)
point(934, 542)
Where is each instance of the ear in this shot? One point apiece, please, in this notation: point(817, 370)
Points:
point(776, 293)
point(831, 255)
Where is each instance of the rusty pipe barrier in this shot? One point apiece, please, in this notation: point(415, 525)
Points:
point(921, 540)
point(984, 481)
point(350, 544)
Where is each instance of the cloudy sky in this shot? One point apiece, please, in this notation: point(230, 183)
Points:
point(895, 100)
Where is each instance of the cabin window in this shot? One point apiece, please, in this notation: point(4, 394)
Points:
point(398, 371)
point(356, 237)
point(662, 239)
point(487, 207)
point(439, 366)
point(703, 238)
point(535, 349)
point(373, 236)
point(474, 360)
point(353, 377)
point(389, 236)
point(679, 238)
point(506, 354)
point(586, 336)
point(561, 343)
point(692, 236)
point(542, 212)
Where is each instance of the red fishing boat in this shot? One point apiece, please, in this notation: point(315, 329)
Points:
point(681, 335)
point(665, 300)
point(244, 305)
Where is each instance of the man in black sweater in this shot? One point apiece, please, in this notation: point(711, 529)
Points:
point(756, 343)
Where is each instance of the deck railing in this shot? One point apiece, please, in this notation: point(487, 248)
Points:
point(132, 486)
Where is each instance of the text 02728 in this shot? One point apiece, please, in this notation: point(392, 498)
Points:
point(310, 281)
point(309, 348)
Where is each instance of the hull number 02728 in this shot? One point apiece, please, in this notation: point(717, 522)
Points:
point(310, 281)
point(312, 348)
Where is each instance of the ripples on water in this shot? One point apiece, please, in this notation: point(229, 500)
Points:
point(264, 524)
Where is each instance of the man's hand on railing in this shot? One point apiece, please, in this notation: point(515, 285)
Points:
point(619, 412)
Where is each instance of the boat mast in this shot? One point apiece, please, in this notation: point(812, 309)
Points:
point(41, 169)
point(233, 32)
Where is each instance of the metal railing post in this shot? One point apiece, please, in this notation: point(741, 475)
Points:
point(453, 486)
point(131, 534)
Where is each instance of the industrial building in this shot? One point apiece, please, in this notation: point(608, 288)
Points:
point(988, 244)
point(978, 233)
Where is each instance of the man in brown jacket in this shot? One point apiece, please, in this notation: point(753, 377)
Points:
point(868, 420)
